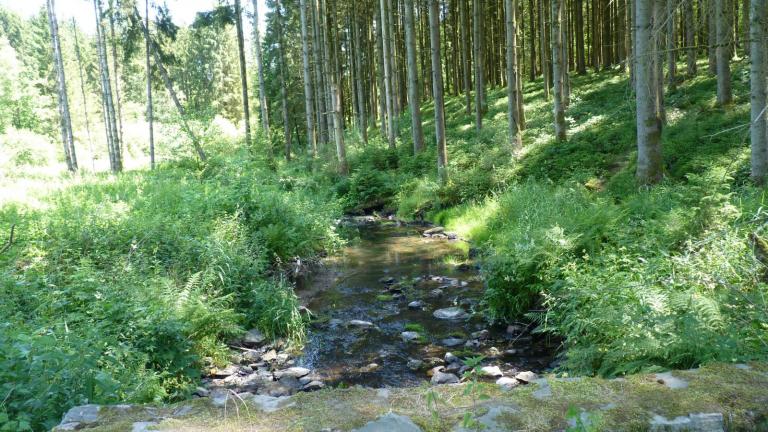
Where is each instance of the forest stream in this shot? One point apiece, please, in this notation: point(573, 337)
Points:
point(377, 303)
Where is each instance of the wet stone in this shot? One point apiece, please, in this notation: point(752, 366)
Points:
point(491, 371)
point(451, 313)
point(526, 377)
point(415, 364)
point(451, 342)
point(409, 336)
point(416, 305)
point(444, 378)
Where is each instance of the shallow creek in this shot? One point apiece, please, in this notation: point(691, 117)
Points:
point(373, 280)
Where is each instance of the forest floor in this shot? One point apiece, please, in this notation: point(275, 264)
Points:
point(713, 398)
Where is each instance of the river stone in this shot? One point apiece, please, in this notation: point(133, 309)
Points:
point(451, 342)
point(142, 426)
point(313, 385)
point(437, 292)
point(451, 313)
point(414, 364)
point(416, 305)
point(435, 230)
point(82, 414)
point(711, 422)
point(491, 371)
point(482, 334)
point(444, 378)
point(269, 356)
point(390, 423)
point(409, 336)
point(507, 383)
point(253, 337)
point(360, 323)
point(451, 358)
point(671, 381)
point(295, 372)
point(526, 377)
point(271, 403)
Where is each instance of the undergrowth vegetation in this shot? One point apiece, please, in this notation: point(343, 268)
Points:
point(629, 278)
point(123, 288)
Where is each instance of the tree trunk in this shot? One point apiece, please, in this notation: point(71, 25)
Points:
point(333, 79)
point(477, 41)
point(283, 87)
point(67, 138)
point(671, 20)
point(712, 35)
point(387, 59)
point(465, 60)
point(544, 49)
point(581, 67)
point(413, 80)
point(169, 87)
point(515, 139)
point(263, 107)
point(557, 69)
point(150, 114)
point(690, 43)
point(382, 99)
point(723, 29)
point(243, 74)
point(113, 139)
point(649, 169)
point(320, 97)
point(362, 122)
point(758, 38)
point(437, 90)
point(309, 100)
point(82, 91)
point(115, 65)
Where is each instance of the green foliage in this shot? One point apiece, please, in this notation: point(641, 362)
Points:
point(123, 288)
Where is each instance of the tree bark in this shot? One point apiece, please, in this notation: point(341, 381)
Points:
point(283, 86)
point(387, 60)
point(67, 138)
point(671, 19)
point(333, 79)
point(115, 68)
point(113, 139)
point(477, 41)
point(263, 107)
point(690, 43)
point(649, 168)
point(150, 108)
point(544, 48)
point(243, 73)
point(83, 94)
point(309, 100)
point(557, 69)
point(515, 139)
point(437, 90)
point(413, 80)
point(758, 41)
point(465, 60)
point(723, 29)
point(362, 122)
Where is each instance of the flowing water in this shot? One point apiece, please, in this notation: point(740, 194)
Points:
point(356, 285)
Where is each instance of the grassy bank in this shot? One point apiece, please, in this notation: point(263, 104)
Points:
point(123, 288)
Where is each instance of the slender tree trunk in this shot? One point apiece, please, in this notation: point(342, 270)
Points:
point(243, 73)
point(477, 41)
point(83, 94)
point(758, 38)
point(359, 83)
point(382, 99)
point(722, 24)
point(581, 67)
point(712, 35)
point(544, 49)
point(413, 80)
point(283, 86)
point(113, 139)
point(515, 139)
point(465, 63)
point(437, 90)
point(745, 14)
point(659, 13)
point(671, 20)
point(115, 68)
point(557, 69)
point(309, 100)
point(690, 43)
point(67, 138)
point(333, 77)
point(388, 90)
point(322, 107)
point(150, 114)
point(649, 168)
point(169, 87)
point(263, 107)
